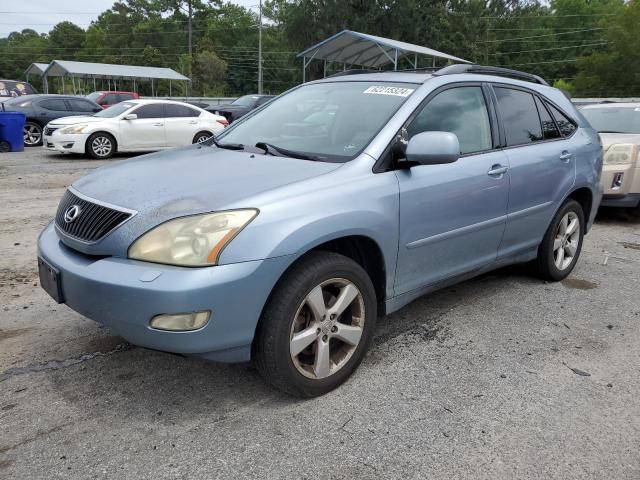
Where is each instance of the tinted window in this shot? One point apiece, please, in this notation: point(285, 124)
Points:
point(462, 111)
point(246, 101)
point(180, 111)
point(155, 110)
point(123, 97)
point(110, 99)
point(519, 116)
point(81, 106)
point(263, 100)
point(549, 128)
point(10, 88)
point(566, 126)
point(54, 104)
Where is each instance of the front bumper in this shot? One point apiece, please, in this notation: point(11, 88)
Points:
point(71, 143)
point(125, 294)
point(621, 184)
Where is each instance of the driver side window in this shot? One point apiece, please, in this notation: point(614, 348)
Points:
point(459, 110)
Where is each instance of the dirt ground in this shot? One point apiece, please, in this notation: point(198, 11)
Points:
point(500, 377)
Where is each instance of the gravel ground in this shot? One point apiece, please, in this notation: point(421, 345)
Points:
point(500, 377)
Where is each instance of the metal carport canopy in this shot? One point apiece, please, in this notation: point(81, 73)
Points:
point(355, 48)
point(36, 69)
point(59, 68)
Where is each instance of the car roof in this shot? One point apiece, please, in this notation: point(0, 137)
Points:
point(612, 105)
point(113, 91)
point(147, 101)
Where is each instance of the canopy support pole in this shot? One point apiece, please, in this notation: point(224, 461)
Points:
point(134, 84)
point(305, 64)
point(169, 88)
point(152, 90)
point(73, 82)
point(94, 84)
point(395, 60)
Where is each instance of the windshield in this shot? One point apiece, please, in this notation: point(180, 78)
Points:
point(93, 96)
point(114, 111)
point(246, 101)
point(331, 121)
point(9, 88)
point(614, 119)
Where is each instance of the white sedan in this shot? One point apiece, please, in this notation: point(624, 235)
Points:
point(133, 126)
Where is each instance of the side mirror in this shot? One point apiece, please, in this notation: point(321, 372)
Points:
point(433, 148)
point(130, 116)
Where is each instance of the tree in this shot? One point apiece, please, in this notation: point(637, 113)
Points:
point(209, 73)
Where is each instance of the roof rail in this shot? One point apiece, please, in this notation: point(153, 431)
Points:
point(487, 70)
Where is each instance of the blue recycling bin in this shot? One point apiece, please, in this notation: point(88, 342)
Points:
point(11, 131)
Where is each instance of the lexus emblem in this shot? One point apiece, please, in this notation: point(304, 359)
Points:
point(71, 214)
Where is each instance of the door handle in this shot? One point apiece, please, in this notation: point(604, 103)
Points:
point(193, 122)
point(565, 156)
point(158, 124)
point(497, 170)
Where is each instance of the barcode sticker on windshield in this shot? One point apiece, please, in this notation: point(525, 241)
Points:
point(396, 91)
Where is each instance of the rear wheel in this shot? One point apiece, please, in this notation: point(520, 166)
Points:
point(317, 325)
point(32, 134)
point(201, 137)
point(101, 146)
point(562, 244)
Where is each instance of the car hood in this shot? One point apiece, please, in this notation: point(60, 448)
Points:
point(193, 180)
point(75, 120)
point(609, 139)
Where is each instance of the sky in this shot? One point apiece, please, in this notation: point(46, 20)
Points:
point(42, 15)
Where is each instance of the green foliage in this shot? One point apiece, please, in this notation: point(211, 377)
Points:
point(589, 47)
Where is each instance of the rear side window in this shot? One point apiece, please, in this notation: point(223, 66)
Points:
point(549, 128)
point(460, 110)
point(81, 105)
point(54, 104)
point(519, 116)
point(566, 126)
point(125, 96)
point(180, 111)
point(110, 99)
point(155, 110)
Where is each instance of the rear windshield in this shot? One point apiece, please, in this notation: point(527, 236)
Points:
point(614, 119)
point(94, 96)
point(11, 88)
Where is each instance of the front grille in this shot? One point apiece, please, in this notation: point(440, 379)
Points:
point(92, 223)
point(49, 130)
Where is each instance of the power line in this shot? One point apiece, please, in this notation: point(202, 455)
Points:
point(552, 48)
point(545, 35)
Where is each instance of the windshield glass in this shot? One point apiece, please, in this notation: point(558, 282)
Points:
point(331, 121)
point(114, 111)
point(614, 119)
point(9, 88)
point(93, 96)
point(246, 101)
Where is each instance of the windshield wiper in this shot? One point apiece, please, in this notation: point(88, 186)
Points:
point(283, 152)
point(227, 146)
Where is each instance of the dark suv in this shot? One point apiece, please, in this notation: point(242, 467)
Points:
point(41, 109)
point(240, 106)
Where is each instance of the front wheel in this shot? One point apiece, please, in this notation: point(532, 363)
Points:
point(32, 133)
point(561, 246)
point(317, 325)
point(101, 146)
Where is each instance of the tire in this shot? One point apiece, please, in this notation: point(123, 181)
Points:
point(555, 264)
point(201, 137)
point(32, 133)
point(634, 211)
point(288, 312)
point(101, 146)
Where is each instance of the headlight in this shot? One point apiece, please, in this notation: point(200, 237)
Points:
point(621, 154)
point(73, 129)
point(194, 241)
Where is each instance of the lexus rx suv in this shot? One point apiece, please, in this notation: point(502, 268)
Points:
point(282, 239)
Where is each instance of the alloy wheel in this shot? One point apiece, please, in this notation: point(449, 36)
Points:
point(101, 146)
point(202, 138)
point(567, 239)
point(32, 134)
point(327, 328)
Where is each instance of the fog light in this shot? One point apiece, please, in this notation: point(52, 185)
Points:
point(180, 322)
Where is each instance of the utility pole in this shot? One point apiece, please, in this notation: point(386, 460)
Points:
point(189, 22)
point(260, 50)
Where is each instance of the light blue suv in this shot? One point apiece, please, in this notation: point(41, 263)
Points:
point(282, 240)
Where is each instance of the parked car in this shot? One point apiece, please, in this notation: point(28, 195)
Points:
point(240, 106)
point(41, 109)
point(107, 99)
point(133, 126)
point(619, 128)
point(283, 244)
point(14, 88)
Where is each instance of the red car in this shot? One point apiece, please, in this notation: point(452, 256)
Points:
point(106, 99)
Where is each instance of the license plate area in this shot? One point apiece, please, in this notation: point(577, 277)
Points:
point(50, 280)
